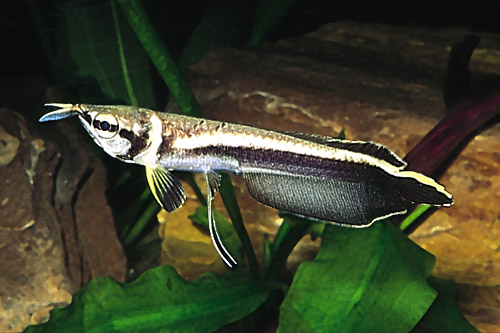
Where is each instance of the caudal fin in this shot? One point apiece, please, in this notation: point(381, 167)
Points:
point(420, 189)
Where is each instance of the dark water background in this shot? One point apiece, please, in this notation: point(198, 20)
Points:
point(21, 51)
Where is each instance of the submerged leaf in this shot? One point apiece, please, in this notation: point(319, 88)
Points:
point(267, 15)
point(223, 25)
point(362, 280)
point(160, 300)
point(104, 48)
point(161, 58)
point(444, 314)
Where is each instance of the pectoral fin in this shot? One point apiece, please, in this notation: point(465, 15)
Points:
point(165, 188)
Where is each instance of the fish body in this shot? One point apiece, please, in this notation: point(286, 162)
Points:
point(352, 183)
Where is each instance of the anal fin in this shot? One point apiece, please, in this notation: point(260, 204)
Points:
point(346, 202)
point(165, 187)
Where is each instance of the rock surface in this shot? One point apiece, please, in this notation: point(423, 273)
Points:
point(51, 239)
point(378, 83)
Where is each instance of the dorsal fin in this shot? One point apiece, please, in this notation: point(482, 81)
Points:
point(364, 147)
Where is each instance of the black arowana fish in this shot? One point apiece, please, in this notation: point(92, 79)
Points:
point(351, 183)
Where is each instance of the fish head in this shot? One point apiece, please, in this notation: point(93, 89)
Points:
point(121, 131)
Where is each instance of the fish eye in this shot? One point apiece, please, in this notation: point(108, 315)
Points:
point(106, 125)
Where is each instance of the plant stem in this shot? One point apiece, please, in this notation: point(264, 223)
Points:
point(123, 60)
point(413, 216)
point(138, 228)
point(159, 55)
point(133, 210)
point(280, 236)
point(189, 178)
point(233, 209)
point(293, 235)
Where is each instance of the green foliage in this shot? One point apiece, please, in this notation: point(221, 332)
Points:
point(160, 300)
point(222, 26)
point(363, 280)
point(159, 55)
point(233, 209)
point(444, 314)
point(413, 216)
point(267, 15)
point(116, 59)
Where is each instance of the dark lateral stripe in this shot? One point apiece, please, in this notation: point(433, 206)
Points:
point(167, 139)
point(138, 143)
point(406, 188)
point(290, 162)
point(86, 116)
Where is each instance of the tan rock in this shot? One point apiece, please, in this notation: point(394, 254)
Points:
point(50, 244)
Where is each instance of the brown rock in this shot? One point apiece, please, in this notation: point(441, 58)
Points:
point(51, 239)
point(382, 84)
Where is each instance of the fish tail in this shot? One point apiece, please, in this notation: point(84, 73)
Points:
point(418, 188)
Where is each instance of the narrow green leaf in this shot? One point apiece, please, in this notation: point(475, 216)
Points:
point(105, 49)
point(147, 217)
point(341, 135)
point(123, 58)
point(233, 209)
point(267, 15)
point(224, 25)
point(159, 55)
point(362, 280)
point(413, 216)
point(280, 236)
point(160, 300)
point(266, 256)
point(444, 314)
point(289, 234)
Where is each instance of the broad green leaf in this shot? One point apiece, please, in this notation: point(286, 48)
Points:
point(362, 280)
point(444, 314)
point(267, 15)
point(104, 48)
point(159, 301)
point(224, 227)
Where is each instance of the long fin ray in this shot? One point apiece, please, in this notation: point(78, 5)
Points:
point(165, 187)
point(213, 180)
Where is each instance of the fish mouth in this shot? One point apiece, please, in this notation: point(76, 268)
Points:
point(63, 111)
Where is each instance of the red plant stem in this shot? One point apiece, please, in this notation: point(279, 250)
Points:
point(462, 120)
